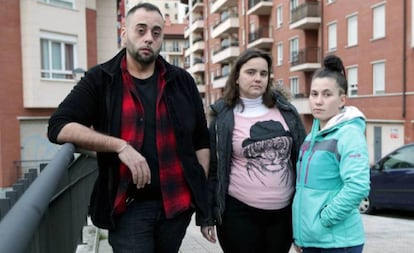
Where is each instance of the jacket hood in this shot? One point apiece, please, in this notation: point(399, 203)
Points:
point(218, 106)
point(347, 115)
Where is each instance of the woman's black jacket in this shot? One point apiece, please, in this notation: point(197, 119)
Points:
point(221, 127)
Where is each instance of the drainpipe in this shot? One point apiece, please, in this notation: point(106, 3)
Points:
point(322, 3)
point(404, 58)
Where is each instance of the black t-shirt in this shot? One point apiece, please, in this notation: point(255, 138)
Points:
point(147, 91)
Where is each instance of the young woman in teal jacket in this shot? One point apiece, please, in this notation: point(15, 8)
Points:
point(332, 169)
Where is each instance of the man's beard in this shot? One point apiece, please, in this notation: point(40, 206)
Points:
point(147, 59)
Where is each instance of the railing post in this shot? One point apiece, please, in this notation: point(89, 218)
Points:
point(4, 206)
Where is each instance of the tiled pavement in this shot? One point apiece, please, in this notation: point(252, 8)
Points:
point(384, 235)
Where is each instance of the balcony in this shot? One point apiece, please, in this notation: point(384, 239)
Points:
point(187, 32)
point(198, 66)
point(197, 25)
point(197, 6)
point(197, 46)
point(187, 65)
point(306, 16)
point(260, 7)
point(186, 12)
point(220, 81)
point(306, 60)
point(187, 51)
point(228, 25)
point(261, 38)
point(220, 5)
point(172, 51)
point(201, 88)
point(226, 53)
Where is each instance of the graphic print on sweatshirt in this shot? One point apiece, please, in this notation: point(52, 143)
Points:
point(267, 152)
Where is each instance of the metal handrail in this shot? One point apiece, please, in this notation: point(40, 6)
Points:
point(24, 217)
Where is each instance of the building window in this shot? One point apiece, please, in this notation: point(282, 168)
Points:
point(187, 62)
point(332, 37)
point(378, 22)
point(294, 86)
point(175, 61)
point(279, 16)
point(225, 70)
point(293, 5)
point(61, 3)
point(58, 53)
point(378, 77)
point(352, 81)
point(294, 50)
point(279, 82)
point(352, 30)
point(252, 27)
point(279, 54)
point(175, 46)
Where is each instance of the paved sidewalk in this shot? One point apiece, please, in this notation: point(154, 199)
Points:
point(193, 242)
point(384, 234)
point(388, 235)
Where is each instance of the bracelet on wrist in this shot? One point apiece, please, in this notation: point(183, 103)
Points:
point(123, 148)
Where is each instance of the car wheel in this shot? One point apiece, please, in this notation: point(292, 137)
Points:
point(365, 206)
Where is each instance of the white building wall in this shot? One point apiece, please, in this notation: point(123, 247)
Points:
point(37, 17)
point(392, 137)
point(35, 148)
point(106, 29)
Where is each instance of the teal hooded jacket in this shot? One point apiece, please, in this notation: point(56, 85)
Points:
point(332, 179)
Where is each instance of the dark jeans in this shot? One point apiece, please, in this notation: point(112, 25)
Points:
point(245, 229)
point(144, 228)
point(355, 249)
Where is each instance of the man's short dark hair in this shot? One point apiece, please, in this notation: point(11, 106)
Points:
point(146, 6)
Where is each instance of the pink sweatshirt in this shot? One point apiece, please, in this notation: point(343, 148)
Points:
point(261, 174)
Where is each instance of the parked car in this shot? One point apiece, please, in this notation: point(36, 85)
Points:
point(392, 182)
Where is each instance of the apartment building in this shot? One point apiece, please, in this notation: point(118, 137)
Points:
point(172, 8)
point(375, 39)
point(174, 44)
point(45, 46)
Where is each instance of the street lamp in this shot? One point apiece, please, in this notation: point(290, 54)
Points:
point(78, 73)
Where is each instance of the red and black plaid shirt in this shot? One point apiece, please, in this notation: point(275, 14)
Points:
point(176, 195)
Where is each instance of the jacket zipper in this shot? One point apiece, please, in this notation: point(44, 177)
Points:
point(305, 181)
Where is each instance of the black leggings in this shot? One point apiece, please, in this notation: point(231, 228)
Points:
point(246, 229)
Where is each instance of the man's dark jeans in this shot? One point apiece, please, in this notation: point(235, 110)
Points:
point(144, 228)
